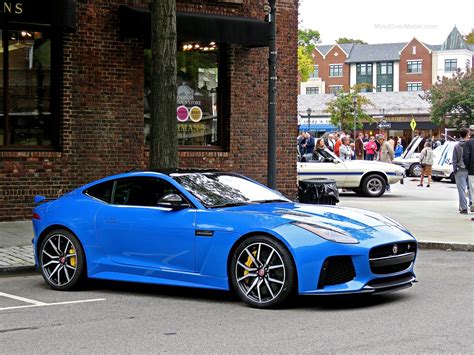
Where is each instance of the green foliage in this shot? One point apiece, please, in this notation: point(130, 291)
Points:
point(341, 109)
point(469, 38)
point(452, 100)
point(308, 39)
point(305, 64)
point(350, 40)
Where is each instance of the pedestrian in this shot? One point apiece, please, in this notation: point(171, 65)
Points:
point(317, 153)
point(331, 142)
point(359, 146)
point(301, 140)
point(392, 142)
point(345, 151)
point(468, 158)
point(426, 161)
point(386, 153)
point(309, 146)
point(460, 169)
point(338, 143)
point(353, 156)
point(398, 149)
point(371, 149)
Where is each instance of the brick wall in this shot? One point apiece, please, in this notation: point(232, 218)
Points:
point(101, 123)
point(421, 53)
point(335, 56)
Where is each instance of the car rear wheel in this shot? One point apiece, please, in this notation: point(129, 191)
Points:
point(62, 260)
point(437, 178)
point(415, 170)
point(262, 272)
point(374, 186)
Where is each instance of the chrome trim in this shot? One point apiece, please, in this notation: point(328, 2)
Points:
point(392, 256)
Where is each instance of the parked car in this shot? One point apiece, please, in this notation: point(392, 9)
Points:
point(409, 160)
point(218, 231)
point(369, 178)
point(443, 164)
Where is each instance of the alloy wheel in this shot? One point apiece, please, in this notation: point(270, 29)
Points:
point(58, 259)
point(260, 272)
point(374, 185)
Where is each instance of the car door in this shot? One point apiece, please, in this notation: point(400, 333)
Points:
point(134, 231)
point(335, 169)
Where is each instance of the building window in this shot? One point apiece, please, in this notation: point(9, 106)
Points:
point(450, 65)
point(414, 87)
point(414, 66)
point(413, 51)
point(26, 111)
point(315, 73)
point(312, 90)
point(385, 76)
point(334, 89)
point(335, 70)
point(364, 75)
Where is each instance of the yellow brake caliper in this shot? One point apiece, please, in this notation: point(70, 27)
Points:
point(72, 259)
point(248, 263)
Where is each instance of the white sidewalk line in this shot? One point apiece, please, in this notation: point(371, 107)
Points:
point(23, 299)
point(52, 304)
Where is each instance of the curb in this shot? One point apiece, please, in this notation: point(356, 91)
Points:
point(448, 246)
point(17, 269)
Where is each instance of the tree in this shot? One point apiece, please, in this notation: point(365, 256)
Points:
point(308, 39)
point(305, 64)
point(469, 38)
point(350, 40)
point(452, 100)
point(163, 125)
point(341, 109)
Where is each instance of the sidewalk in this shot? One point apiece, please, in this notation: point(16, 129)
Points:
point(16, 251)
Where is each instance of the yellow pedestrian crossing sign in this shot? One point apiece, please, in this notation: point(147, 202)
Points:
point(413, 124)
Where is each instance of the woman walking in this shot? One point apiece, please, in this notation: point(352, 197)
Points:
point(426, 161)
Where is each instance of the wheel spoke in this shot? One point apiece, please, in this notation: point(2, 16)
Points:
point(275, 267)
point(246, 267)
point(49, 255)
point(54, 247)
point(54, 271)
point(252, 286)
point(59, 275)
point(258, 252)
point(70, 267)
point(247, 276)
point(269, 288)
point(67, 274)
point(269, 258)
point(69, 255)
point(251, 257)
point(67, 244)
point(258, 291)
point(51, 262)
point(275, 281)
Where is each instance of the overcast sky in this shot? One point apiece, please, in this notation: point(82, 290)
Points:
point(386, 21)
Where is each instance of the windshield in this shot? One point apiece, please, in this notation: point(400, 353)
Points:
point(415, 142)
point(226, 190)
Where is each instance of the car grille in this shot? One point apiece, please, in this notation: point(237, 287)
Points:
point(336, 270)
point(391, 258)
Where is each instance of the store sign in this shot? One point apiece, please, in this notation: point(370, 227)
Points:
point(384, 125)
point(59, 13)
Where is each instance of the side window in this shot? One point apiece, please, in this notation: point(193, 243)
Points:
point(101, 191)
point(141, 191)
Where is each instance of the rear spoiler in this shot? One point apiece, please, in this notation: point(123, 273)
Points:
point(42, 199)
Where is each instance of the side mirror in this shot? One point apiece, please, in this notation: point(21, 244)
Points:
point(172, 201)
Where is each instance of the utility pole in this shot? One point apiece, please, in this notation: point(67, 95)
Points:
point(272, 87)
point(354, 101)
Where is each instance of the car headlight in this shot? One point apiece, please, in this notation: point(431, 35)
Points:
point(328, 233)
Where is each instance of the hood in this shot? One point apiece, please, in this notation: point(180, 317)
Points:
point(359, 223)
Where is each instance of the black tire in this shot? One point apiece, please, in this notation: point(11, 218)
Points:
point(415, 170)
point(358, 191)
point(374, 185)
point(436, 178)
point(272, 286)
point(62, 260)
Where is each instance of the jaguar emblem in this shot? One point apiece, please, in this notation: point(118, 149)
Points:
point(395, 248)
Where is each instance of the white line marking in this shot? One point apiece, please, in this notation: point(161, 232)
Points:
point(18, 298)
point(52, 304)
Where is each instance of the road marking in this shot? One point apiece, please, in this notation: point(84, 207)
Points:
point(23, 299)
point(52, 304)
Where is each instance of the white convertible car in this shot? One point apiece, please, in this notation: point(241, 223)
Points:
point(368, 178)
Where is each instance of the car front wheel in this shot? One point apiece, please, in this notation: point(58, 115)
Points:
point(62, 260)
point(374, 186)
point(262, 272)
point(415, 170)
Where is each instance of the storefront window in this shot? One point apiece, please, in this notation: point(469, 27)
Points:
point(25, 106)
point(199, 95)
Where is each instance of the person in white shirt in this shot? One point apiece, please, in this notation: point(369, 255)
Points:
point(345, 151)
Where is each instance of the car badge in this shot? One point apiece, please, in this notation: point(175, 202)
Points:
point(395, 248)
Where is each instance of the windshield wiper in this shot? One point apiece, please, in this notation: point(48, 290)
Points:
point(232, 204)
point(271, 201)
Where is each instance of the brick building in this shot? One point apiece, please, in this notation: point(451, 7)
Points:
point(74, 92)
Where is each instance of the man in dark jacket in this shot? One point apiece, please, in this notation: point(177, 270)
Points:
point(460, 168)
point(468, 157)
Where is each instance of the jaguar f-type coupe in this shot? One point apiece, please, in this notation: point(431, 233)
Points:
point(219, 231)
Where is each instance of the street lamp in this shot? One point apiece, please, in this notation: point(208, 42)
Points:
point(308, 111)
point(354, 102)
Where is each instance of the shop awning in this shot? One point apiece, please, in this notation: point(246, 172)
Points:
point(192, 26)
point(320, 127)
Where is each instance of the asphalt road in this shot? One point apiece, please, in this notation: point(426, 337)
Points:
point(435, 315)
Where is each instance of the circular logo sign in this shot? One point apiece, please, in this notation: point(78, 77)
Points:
point(195, 114)
point(182, 113)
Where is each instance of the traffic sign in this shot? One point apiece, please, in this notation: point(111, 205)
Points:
point(384, 125)
point(413, 124)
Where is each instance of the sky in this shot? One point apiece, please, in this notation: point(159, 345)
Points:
point(386, 21)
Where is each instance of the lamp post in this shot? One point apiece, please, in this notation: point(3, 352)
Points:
point(308, 111)
point(354, 102)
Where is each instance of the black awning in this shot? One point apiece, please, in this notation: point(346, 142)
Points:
point(191, 26)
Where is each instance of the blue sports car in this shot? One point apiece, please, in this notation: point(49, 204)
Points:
point(219, 231)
